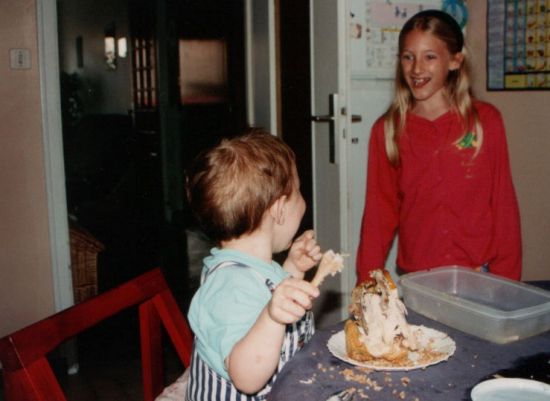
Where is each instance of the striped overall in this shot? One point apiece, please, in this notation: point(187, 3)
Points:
point(206, 385)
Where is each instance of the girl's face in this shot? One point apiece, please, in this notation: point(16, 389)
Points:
point(293, 211)
point(426, 62)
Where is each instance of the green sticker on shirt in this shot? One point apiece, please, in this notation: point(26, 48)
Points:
point(468, 141)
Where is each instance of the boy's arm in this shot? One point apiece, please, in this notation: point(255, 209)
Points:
point(254, 359)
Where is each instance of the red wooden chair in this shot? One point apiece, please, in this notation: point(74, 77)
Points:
point(27, 373)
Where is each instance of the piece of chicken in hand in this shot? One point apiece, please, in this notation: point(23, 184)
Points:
point(331, 263)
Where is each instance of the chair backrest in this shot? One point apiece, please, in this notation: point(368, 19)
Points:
point(27, 373)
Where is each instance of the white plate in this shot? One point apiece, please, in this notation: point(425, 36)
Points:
point(432, 341)
point(511, 389)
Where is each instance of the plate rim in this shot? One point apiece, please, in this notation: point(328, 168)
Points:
point(341, 333)
point(501, 383)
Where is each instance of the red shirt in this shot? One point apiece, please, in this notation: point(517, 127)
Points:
point(448, 206)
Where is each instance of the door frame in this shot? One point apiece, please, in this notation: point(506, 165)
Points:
point(52, 135)
point(341, 120)
point(261, 64)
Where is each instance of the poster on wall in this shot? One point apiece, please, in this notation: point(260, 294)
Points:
point(374, 31)
point(518, 44)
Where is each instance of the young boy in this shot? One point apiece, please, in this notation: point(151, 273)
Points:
point(250, 314)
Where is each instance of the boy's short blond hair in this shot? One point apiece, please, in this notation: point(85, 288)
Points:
point(231, 186)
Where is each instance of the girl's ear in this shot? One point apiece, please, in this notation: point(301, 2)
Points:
point(277, 210)
point(456, 61)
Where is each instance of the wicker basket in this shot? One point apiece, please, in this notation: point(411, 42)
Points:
point(84, 251)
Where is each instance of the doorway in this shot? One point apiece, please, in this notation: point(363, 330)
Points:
point(135, 112)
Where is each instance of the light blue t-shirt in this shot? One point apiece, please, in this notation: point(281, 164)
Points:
point(228, 303)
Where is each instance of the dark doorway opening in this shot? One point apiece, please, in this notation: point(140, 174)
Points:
point(295, 84)
point(129, 130)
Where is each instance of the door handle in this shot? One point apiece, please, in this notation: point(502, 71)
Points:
point(355, 118)
point(329, 118)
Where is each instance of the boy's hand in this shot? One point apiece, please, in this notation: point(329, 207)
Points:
point(304, 253)
point(290, 300)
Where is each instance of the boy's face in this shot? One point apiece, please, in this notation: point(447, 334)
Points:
point(293, 211)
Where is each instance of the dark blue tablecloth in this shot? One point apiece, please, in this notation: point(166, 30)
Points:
point(314, 373)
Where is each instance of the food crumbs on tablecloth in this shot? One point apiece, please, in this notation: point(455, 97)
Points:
point(475, 356)
point(350, 375)
point(405, 381)
point(310, 380)
point(402, 395)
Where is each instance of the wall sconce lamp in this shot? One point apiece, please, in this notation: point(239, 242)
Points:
point(110, 46)
point(114, 47)
point(122, 47)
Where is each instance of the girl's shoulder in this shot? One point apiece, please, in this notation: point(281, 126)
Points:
point(378, 126)
point(486, 110)
point(492, 124)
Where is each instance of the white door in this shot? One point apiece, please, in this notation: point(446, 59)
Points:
point(329, 83)
point(53, 153)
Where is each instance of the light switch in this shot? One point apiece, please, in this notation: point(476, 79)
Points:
point(20, 59)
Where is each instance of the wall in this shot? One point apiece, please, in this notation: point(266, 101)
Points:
point(528, 130)
point(26, 287)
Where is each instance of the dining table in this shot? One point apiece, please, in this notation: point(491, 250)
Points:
point(314, 373)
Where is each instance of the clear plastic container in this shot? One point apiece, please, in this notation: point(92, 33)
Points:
point(481, 304)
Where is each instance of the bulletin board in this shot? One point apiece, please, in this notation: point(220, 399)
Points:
point(374, 31)
point(518, 44)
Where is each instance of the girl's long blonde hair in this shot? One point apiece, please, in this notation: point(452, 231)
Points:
point(445, 28)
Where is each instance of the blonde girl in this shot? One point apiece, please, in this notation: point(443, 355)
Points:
point(438, 168)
